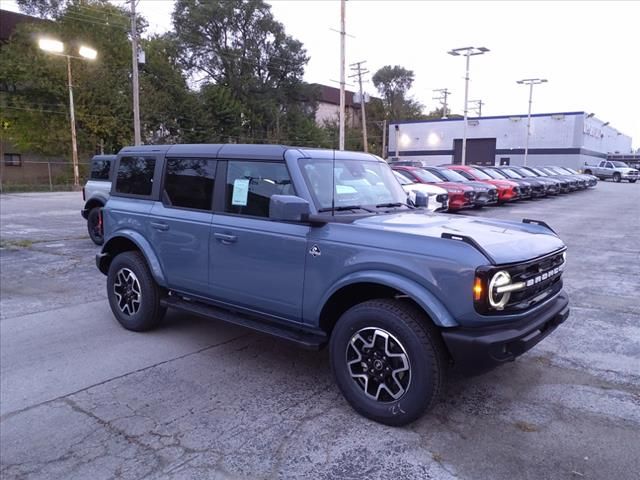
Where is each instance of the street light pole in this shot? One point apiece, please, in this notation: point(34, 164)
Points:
point(72, 116)
point(56, 47)
point(468, 52)
point(531, 82)
point(134, 66)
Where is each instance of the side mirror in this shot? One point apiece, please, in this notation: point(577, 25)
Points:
point(288, 208)
point(421, 200)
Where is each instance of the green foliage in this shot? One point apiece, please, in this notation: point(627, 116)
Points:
point(394, 83)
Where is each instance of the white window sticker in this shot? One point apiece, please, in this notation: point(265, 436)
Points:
point(240, 191)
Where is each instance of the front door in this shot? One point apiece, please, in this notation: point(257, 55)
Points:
point(256, 263)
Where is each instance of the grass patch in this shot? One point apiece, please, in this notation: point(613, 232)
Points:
point(526, 427)
point(15, 243)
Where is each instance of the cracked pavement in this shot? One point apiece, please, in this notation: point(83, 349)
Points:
point(82, 398)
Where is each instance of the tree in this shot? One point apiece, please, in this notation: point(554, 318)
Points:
point(241, 49)
point(394, 83)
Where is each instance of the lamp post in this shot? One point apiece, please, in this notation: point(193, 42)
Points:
point(531, 82)
point(468, 52)
point(56, 47)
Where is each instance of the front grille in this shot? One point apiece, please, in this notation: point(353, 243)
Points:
point(542, 278)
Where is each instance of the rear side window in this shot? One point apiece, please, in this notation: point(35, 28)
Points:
point(188, 183)
point(135, 175)
point(100, 169)
point(250, 186)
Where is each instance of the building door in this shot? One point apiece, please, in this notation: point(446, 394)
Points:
point(480, 151)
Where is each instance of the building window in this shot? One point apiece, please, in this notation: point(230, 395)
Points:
point(12, 160)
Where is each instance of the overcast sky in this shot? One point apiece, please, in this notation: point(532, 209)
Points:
point(589, 51)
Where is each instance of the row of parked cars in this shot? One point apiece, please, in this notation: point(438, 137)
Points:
point(455, 187)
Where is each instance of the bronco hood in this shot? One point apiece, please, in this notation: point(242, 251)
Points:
point(504, 241)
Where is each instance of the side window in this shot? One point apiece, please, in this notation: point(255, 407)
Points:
point(609, 165)
point(135, 175)
point(466, 175)
point(100, 169)
point(251, 184)
point(188, 183)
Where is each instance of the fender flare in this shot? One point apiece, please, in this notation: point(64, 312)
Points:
point(97, 197)
point(436, 310)
point(145, 248)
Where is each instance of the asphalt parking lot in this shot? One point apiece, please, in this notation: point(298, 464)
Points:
point(83, 398)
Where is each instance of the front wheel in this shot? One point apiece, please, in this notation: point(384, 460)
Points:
point(94, 226)
point(388, 361)
point(632, 181)
point(616, 177)
point(133, 294)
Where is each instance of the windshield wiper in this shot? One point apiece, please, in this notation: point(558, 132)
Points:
point(393, 204)
point(342, 208)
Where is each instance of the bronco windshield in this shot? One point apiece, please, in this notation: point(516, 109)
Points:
point(352, 184)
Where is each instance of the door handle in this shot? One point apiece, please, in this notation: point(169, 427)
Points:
point(225, 238)
point(160, 226)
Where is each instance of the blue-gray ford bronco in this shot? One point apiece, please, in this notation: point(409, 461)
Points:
point(322, 247)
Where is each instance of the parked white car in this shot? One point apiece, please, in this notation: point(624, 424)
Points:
point(438, 197)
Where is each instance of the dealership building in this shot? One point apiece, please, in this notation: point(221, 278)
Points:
point(566, 138)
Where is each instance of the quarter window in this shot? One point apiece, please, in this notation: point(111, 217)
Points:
point(188, 183)
point(250, 186)
point(135, 175)
point(100, 169)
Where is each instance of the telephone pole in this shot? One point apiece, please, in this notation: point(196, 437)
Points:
point(442, 97)
point(531, 82)
point(357, 67)
point(136, 87)
point(342, 79)
point(478, 106)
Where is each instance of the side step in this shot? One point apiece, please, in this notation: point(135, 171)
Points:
point(309, 339)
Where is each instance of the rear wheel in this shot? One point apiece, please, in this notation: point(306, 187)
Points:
point(94, 226)
point(588, 172)
point(616, 177)
point(388, 361)
point(133, 294)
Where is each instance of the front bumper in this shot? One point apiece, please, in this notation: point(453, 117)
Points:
point(477, 350)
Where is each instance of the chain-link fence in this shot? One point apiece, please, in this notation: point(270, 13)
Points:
point(36, 176)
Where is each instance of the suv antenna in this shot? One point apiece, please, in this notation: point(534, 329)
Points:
point(333, 185)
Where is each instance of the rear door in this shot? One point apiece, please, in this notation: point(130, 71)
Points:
point(180, 222)
point(257, 263)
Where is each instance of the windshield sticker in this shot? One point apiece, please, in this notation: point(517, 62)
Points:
point(240, 192)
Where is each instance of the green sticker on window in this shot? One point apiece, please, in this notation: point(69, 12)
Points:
point(240, 192)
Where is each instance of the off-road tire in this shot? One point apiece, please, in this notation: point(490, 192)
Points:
point(148, 313)
point(424, 348)
point(94, 226)
point(617, 178)
point(632, 181)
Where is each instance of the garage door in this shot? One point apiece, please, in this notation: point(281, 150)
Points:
point(480, 151)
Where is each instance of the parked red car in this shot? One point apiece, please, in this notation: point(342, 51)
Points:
point(507, 190)
point(460, 195)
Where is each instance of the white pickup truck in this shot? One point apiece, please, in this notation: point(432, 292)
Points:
point(96, 193)
point(613, 169)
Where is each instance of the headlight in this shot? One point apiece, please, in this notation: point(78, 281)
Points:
point(499, 300)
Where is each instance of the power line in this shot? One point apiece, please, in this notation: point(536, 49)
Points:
point(478, 106)
point(442, 97)
point(360, 71)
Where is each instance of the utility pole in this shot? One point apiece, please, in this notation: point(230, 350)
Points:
point(136, 87)
point(357, 67)
point(468, 52)
point(531, 82)
point(442, 97)
point(72, 116)
point(478, 106)
point(342, 78)
point(384, 139)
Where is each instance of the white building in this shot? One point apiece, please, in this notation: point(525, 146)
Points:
point(566, 138)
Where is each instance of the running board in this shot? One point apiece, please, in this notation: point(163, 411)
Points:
point(311, 340)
